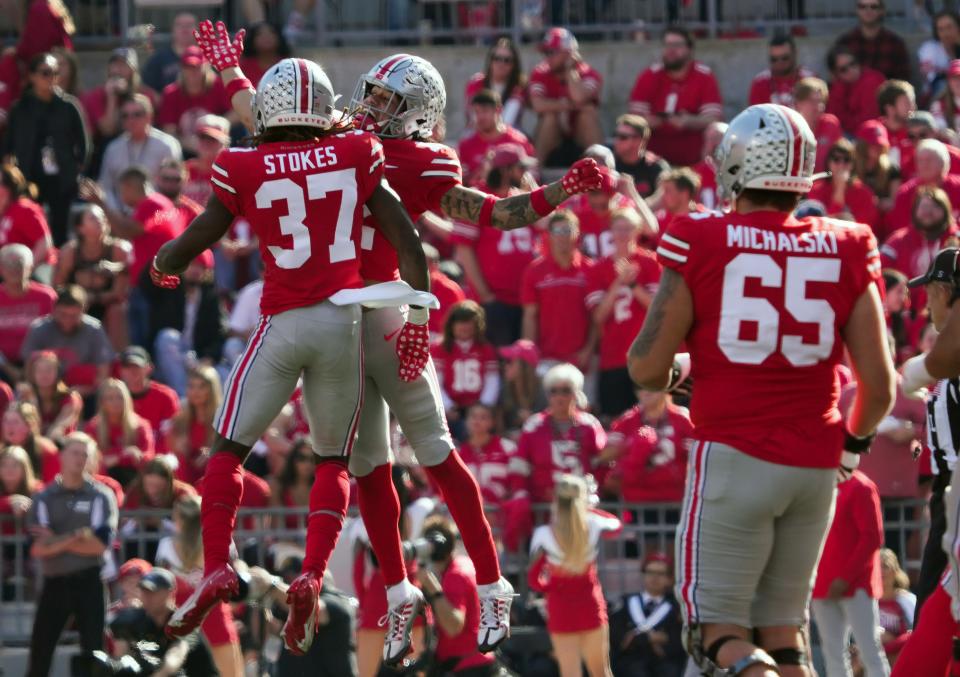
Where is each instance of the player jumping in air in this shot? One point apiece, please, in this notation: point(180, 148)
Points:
point(303, 187)
point(766, 303)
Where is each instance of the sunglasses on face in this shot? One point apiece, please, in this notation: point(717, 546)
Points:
point(846, 67)
point(501, 58)
point(550, 52)
point(561, 390)
point(127, 114)
point(916, 136)
point(561, 230)
point(843, 159)
point(47, 73)
point(623, 136)
point(171, 179)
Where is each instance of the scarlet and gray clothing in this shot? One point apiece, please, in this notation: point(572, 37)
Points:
point(92, 506)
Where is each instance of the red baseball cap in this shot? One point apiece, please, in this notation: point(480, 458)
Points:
point(558, 40)
point(214, 126)
point(873, 131)
point(523, 349)
point(509, 154)
point(192, 56)
point(660, 557)
point(137, 566)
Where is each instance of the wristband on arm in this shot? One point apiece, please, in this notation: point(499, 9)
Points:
point(237, 85)
point(538, 200)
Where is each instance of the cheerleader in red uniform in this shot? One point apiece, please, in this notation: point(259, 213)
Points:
point(564, 569)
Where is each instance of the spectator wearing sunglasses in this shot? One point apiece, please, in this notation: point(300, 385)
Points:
point(630, 150)
point(503, 74)
point(776, 83)
point(843, 194)
point(853, 91)
point(874, 45)
point(922, 125)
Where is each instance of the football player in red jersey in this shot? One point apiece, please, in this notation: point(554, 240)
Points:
point(402, 99)
point(303, 188)
point(766, 303)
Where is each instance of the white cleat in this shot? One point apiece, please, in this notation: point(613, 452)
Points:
point(495, 602)
point(399, 621)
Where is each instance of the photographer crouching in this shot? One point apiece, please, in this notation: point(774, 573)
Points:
point(449, 584)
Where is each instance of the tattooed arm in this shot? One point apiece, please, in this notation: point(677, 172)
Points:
point(464, 204)
point(669, 319)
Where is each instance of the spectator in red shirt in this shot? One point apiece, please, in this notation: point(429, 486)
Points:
point(20, 427)
point(775, 85)
point(897, 605)
point(920, 126)
point(848, 582)
point(263, 47)
point(649, 445)
point(621, 288)
point(467, 366)
point(933, 166)
point(447, 291)
point(810, 96)
point(503, 74)
point(874, 45)
point(896, 308)
point(490, 131)
point(154, 488)
point(678, 192)
point(171, 179)
point(553, 292)
point(58, 405)
point(594, 211)
point(487, 454)
point(679, 97)
point(22, 220)
point(565, 95)
point(897, 102)
point(125, 439)
point(946, 107)
point(853, 91)
point(632, 157)
point(872, 163)
point(712, 137)
point(192, 433)
point(843, 194)
point(197, 91)
point(102, 104)
point(213, 135)
point(100, 264)
point(48, 24)
point(21, 302)
point(154, 402)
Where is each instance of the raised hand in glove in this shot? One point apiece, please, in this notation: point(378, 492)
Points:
point(216, 45)
point(583, 176)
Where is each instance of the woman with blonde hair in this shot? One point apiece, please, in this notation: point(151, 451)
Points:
point(183, 555)
point(20, 427)
point(125, 439)
point(897, 605)
point(192, 433)
point(564, 569)
point(58, 405)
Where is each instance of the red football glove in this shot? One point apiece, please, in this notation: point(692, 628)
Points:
point(164, 280)
point(413, 345)
point(583, 176)
point(216, 45)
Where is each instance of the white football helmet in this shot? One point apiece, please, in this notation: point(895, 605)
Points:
point(417, 102)
point(294, 92)
point(768, 147)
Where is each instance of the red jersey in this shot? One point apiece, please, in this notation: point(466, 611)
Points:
point(189, 210)
point(182, 109)
point(909, 251)
point(448, 293)
point(547, 84)
point(908, 161)
point(161, 223)
point(770, 296)
point(473, 150)
point(560, 294)
point(653, 462)
point(43, 30)
point(459, 584)
point(304, 202)
point(16, 314)
point(901, 148)
point(545, 452)
point(198, 187)
point(828, 131)
point(708, 185)
point(113, 449)
point(465, 370)
point(502, 255)
point(769, 88)
point(657, 93)
point(490, 465)
point(24, 223)
point(421, 173)
point(858, 200)
point(900, 215)
point(596, 241)
point(157, 405)
point(855, 102)
point(626, 318)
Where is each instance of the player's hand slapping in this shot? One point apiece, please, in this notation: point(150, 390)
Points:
point(161, 279)
point(413, 344)
point(216, 45)
point(583, 176)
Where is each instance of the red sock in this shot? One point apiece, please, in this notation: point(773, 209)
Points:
point(222, 491)
point(380, 510)
point(329, 496)
point(462, 495)
point(930, 648)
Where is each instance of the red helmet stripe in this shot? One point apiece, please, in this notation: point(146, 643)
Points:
point(385, 68)
point(303, 102)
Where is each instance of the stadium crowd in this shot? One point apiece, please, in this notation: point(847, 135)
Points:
point(531, 339)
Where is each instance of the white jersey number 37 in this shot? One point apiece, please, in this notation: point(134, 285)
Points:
point(737, 308)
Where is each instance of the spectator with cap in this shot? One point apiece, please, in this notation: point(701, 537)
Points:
point(842, 193)
point(521, 391)
point(100, 264)
point(102, 104)
point(79, 340)
point(197, 92)
point(621, 287)
point(810, 96)
point(188, 324)
point(594, 211)
point(874, 45)
point(946, 107)
point(141, 145)
point(47, 138)
point(447, 291)
point(129, 576)
point(213, 135)
point(553, 292)
point(853, 90)
point(630, 139)
point(921, 125)
point(897, 103)
point(776, 83)
point(565, 94)
point(144, 624)
point(705, 168)
point(872, 163)
point(490, 131)
point(22, 220)
point(646, 628)
point(153, 401)
point(932, 171)
point(22, 301)
point(163, 66)
point(170, 181)
point(503, 73)
point(679, 97)
point(72, 523)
